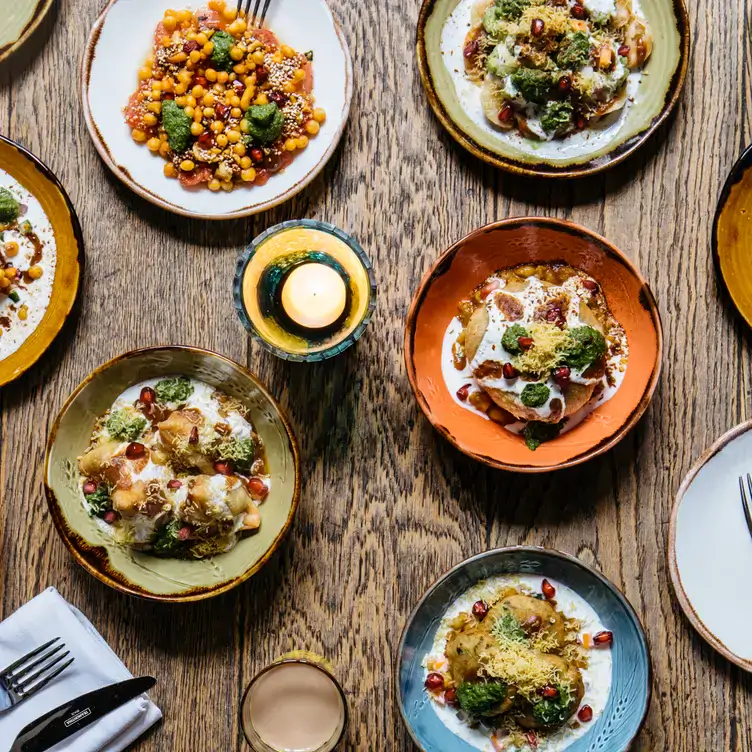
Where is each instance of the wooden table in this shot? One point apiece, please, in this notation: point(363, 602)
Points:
point(387, 505)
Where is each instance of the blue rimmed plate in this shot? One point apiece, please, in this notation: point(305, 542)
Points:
point(629, 698)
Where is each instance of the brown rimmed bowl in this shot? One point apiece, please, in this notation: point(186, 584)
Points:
point(169, 580)
point(21, 18)
point(666, 71)
point(504, 244)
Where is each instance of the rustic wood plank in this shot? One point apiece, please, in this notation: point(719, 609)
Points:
point(387, 506)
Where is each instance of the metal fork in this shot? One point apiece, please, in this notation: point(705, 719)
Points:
point(747, 499)
point(255, 19)
point(23, 678)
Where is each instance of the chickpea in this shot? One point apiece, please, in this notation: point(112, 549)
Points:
point(195, 56)
point(190, 101)
point(4, 283)
point(164, 148)
point(190, 111)
point(298, 75)
point(233, 136)
point(319, 115)
point(288, 51)
point(170, 171)
point(217, 126)
point(245, 162)
point(196, 128)
point(198, 91)
point(249, 175)
point(262, 99)
point(208, 48)
point(23, 312)
point(36, 271)
point(11, 248)
point(169, 22)
point(223, 77)
point(291, 144)
point(236, 112)
point(258, 57)
point(209, 112)
point(208, 99)
point(138, 135)
point(150, 119)
point(302, 142)
point(211, 74)
point(153, 144)
point(227, 186)
point(239, 149)
point(187, 165)
point(230, 14)
point(154, 107)
point(214, 185)
point(180, 89)
point(144, 74)
point(221, 140)
point(236, 53)
point(312, 127)
point(201, 38)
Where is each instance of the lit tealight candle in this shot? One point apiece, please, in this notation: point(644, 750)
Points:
point(314, 296)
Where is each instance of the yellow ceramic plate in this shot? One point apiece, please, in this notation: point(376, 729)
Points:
point(20, 20)
point(45, 187)
point(659, 91)
point(147, 576)
point(732, 236)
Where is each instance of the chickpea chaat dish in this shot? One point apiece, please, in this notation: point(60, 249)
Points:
point(548, 68)
point(520, 663)
point(535, 348)
point(175, 469)
point(28, 258)
point(226, 104)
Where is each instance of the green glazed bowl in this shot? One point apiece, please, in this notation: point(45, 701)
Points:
point(139, 574)
point(665, 73)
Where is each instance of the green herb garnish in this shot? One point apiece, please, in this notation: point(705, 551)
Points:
point(585, 347)
point(175, 390)
point(509, 340)
point(537, 433)
point(506, 626)
point(9, 206)
point(575, 51)
point(265, 123)
point(478, 698)
point(555, 712)
point(223, 43)
point(177, 124)
point(534, 85)
point(556, 117)
point(535, 395)
point(125, 425)
point(99, 502)
point(167, 541)
point(239, 451)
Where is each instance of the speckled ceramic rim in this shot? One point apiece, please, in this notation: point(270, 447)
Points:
point(38, 15)
point(307, 662)
point(618, 155)
point(673, 566)
point(247, 255)
point(55, 328)
point(531, 550)
point(564, 226)
point(735, 176)
point(75, 542)
point(122, 173)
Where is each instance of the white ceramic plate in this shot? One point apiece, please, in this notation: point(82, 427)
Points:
point(710, 547)
point(118, 45)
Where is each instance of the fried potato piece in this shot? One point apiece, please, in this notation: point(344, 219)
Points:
point(463, 652)
point(93, 463)
point(128, 501)
point(175, 432)
point(568, 674)
point(576, 396)
point(533, 615)
point(475, 330)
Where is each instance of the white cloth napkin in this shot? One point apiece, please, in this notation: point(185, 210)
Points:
point(42, 619)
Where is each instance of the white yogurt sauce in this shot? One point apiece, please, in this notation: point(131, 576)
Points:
point(34, 295)
point(577, 144)
point(596, 678)
point(491, 349)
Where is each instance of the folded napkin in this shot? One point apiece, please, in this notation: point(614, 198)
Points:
point(42, 619)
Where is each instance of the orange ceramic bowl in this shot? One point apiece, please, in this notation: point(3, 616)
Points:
point(508, 243)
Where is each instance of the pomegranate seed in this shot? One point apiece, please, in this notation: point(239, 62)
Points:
point(471, 48)
point(222, 110)
point(561, 376)
point(586, 714)
point(173, 484)
point(525, 343)
point(548, 590)
point(578, 11)
point(148, 396)
point(532, 739)
point(565, 85)
point(580, 122)
point(487, 289)
point(450, 697)
point(480, 610)
point(624, 50)
point(537, 27)
point(532, 624)
point(135, 451)
point(193, 438)
point(278, 98)
point(258, 488)
point(190, 45)
point(110, 517)
point(261, 75)
point(238, 85)
point(434, 682)
point(463, 392)
point(590, 284)
point(206, 139)
point(508, 371)
point(223, 467)
point(604, 638)
point(184, 533)
point(200, 80)
point(550, 693)
point(506, 113)
point(90, 487)
point(257, 155)
point(168, 95)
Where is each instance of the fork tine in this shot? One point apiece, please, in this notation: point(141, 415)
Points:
point(240, 5)
point(26, 657)
point(255, 11)
point(263, 12)
point(24, 684)
point(747, 501)
point(42, 684)
point(24, 670)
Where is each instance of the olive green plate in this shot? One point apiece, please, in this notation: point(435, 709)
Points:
point(140, 574)
point(659, 92)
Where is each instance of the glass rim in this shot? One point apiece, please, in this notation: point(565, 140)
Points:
point(248, 253)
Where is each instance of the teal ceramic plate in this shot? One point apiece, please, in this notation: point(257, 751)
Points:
point(629, 698)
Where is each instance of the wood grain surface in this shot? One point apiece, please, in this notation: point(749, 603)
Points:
point(387, 505)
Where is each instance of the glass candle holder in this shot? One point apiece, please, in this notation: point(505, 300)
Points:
point(295, 704)
point(305, 290)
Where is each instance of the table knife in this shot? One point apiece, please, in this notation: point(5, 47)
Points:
point(75, 715)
